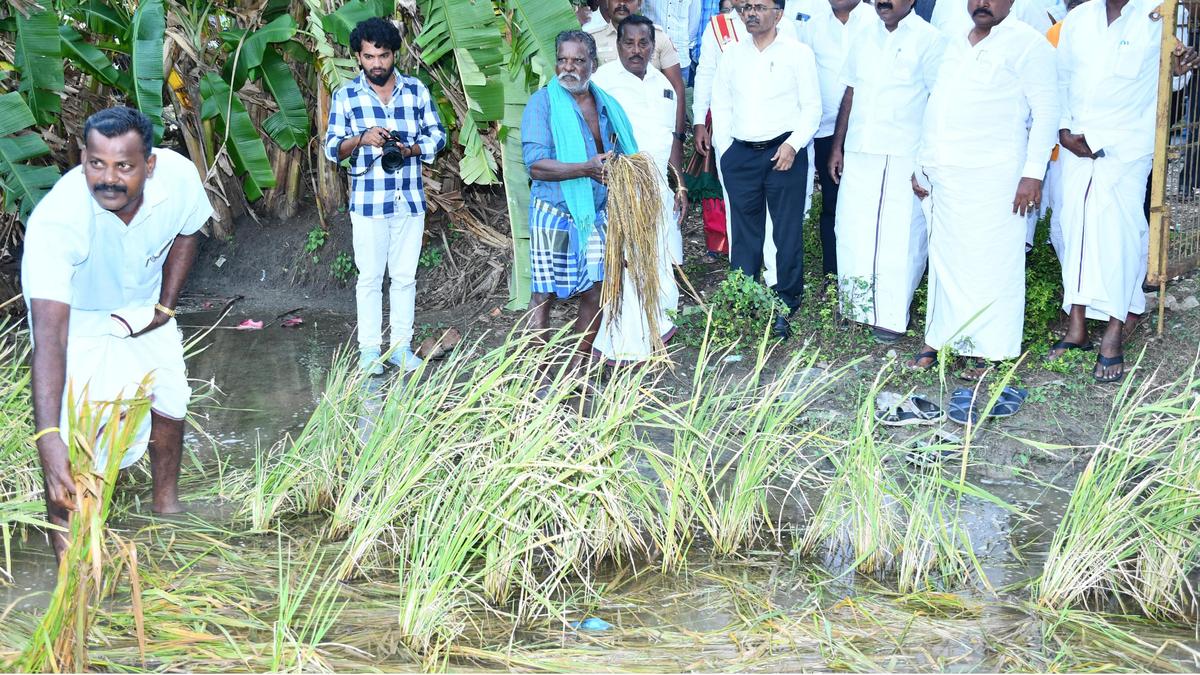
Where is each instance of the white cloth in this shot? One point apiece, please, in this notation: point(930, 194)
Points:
point(1052, 200)
point(109, 368)
point(976, 261)
point(978, 111)
point(680, 19)
point(774, 91)
point(830, 40)
point(712, 49)
point(391, 244)
point(78, 253)
point(892, 74)
point(649, 103)
point(881, 241)
point(952, 18)
point(1105, 234)
point(1108, 77)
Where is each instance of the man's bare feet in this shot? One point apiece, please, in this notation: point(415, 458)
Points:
point(1110, 361)
point(924, 359)
point(1132, 321)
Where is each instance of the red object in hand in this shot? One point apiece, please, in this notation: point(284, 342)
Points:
point(716, 239)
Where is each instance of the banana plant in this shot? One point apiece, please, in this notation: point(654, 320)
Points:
point(238, 134)
point(254, 56)
point(39, 60)
point(23, 184)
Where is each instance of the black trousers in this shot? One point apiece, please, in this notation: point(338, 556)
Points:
point(822, 148)
point(752, 188)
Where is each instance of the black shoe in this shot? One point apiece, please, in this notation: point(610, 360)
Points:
point(782, 330)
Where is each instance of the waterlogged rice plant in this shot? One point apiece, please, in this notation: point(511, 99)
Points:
point(20, 475)
point(98, 429)
point(1131, 530)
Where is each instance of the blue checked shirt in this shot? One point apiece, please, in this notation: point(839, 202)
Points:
point(356, 108)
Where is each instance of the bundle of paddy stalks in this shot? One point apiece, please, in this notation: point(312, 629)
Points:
point(59, 643)
point(634, 211)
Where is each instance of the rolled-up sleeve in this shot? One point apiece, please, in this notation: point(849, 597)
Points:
point(197, 209)
point(537, 143)
point(433, 135)
point(57, 241)
point(339, 124)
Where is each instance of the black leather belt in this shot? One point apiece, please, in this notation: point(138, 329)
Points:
point(764, 145)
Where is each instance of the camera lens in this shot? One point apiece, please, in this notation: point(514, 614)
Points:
point(393, 158)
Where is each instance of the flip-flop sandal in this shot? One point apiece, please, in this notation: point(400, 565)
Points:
point(939, 447)
point(962, 407)
point(928, 410)
point(923, 355)
point(1066, 347)
point(1009, 403)
point(892, 411)
point(884, 336)
point(1103, 361)
point(981, 365)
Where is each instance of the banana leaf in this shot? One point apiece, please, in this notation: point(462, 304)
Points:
point(341, 22)
point(23, 184)
point(248, 49)
point(88, 58)
point(477, 165)
point(538, 24)
point(470, 31)
point(39, 60)
point(289, 126)
point(244, 142)
point(149, 23)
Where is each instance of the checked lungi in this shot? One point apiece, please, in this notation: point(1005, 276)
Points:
point(559, 262)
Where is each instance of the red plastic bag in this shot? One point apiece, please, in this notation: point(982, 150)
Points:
point(715, 236)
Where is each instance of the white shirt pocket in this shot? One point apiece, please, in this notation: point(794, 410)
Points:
point(1127, 60)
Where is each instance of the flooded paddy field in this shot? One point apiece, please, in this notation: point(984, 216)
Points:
point(725, 515)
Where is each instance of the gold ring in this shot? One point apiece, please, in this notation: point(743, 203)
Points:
point(1032, 204)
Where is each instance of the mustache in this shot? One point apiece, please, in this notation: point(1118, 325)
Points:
point(883, 5)
point(105, 187)
point(983, 11)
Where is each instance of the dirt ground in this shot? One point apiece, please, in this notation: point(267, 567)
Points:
point(267, 264)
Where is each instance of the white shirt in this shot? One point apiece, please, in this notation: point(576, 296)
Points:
point(951, 16)
point(1108, 77)
point(892, 74)
point(681, 20)
point(760, 95)
point(711, 51)
point(976, 115)
point(649, 103)
point(830, 40)
point(81, 254)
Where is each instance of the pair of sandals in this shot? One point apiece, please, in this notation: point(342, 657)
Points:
point(964, 410)
point(1102, 362)
point(973, 373)
point(894, 411)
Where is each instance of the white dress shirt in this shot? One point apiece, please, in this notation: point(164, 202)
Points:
point(977, 113)
point(711, 51)
point(830, 40)
point(649, 103)
point(681, 20)
point(1108, 77)
point(951, 16)
point(892, 74)
point(759, 95)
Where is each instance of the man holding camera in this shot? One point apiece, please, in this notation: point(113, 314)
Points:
point(386, 124)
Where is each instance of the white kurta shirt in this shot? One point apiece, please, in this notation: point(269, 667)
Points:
point(892, 74)
point(1108, 77)
point(649, 102)
point(79, 253)
point(951, 16)
point(830, 40)
point(711, 51)
point(680, 19)
point(760, 95)
point(976, 116)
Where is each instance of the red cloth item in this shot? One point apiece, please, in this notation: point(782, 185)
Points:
point(715, 237)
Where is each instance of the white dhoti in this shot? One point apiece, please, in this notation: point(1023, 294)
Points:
point(1052, 198)
point(976, 262)
point(881, 241)
point(627, 338)
point(105, 367)
point(1106, 237)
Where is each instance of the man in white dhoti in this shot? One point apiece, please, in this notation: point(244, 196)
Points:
point(984, 169)
point(650, 101)
point(881, 241)
point(766, 108)
point(106, 254)
point(1108, 55)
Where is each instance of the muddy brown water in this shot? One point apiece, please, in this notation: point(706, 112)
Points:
point(271, 379)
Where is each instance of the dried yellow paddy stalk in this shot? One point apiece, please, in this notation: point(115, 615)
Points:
point(634, 210)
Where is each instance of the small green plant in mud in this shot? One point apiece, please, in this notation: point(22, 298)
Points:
point(739, 312)
point(315, 241)
point(430, 258)
point(1043, 287)
point(342, 268)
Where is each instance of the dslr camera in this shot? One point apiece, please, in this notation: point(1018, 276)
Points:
point(393, 152)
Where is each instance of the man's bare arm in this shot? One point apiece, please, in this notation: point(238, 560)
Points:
point(175, 271)
point(50, 319)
